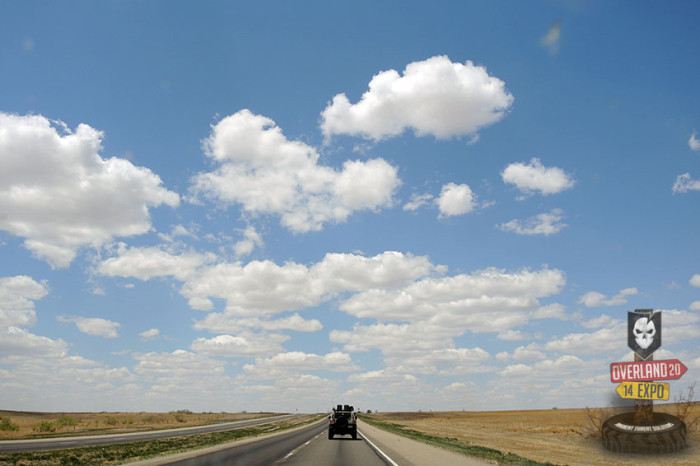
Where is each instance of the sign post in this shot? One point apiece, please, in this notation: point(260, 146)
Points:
point(643, 337)
point(644, 431)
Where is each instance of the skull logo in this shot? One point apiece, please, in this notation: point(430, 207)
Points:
point(644, 332)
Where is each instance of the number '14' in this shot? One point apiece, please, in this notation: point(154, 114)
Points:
point(628, 390)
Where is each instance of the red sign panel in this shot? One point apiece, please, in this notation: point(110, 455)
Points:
point(644, 371)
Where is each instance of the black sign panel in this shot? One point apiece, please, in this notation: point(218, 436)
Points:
point(644, 332)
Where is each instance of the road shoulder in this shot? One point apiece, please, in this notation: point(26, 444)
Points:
point(408, 452)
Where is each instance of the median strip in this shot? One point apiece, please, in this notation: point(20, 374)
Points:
point(123, 452)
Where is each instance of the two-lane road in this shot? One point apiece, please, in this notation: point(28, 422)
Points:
point(309, 445)
point(301, 446)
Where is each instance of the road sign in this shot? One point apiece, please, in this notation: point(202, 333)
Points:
point(643, 390)
point(644, 332)
point(644, 371)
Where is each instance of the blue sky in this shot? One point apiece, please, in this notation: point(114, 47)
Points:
point(285, 206)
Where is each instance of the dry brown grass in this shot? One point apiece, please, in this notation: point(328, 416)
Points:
point(687, 408)
point(559, 436)
point(104, 423)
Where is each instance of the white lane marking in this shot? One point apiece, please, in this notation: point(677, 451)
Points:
point(392, 462)
point(298, 448)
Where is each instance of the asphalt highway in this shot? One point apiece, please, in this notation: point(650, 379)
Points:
point(300, 446)
point(309, 445)
point(13, 446)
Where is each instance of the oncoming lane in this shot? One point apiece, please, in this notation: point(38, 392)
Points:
point(59, 443)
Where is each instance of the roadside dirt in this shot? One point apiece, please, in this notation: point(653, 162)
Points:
point(559, 436)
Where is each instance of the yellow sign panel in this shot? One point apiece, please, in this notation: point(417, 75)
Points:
point(643, 390)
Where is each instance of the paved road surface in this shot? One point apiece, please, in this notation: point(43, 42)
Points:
point(12, 446)
point(304, 446)
point(341, 451)
point(310, 445)
point(301, 446)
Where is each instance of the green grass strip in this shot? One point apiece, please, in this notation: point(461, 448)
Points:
point(454, 444)
point(120, 453)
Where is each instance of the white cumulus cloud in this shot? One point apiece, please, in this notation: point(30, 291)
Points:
point(433, 97)
point(693, 143)
point(17, 296)
point(541, 224)
point(93, 326)
point(251, 240)
point(149, 334)
point(417, 201)
point(532, 177)
point(180, 365)
point(245, 344)
point(448, 361)
point(264, 172)
point(685, 183)
point(601, 341)
point(221, 322)
point(596, 299)
point(486, 300)
point(58, 193)
point(147, 263)
point(21, 343)
point(246, 287)
point(424, 317)
point(695, 280)
point(455, 199)
point(291, 363)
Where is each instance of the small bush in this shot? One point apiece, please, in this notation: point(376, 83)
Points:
point(45, 426)
point(66, 421)
point(685, 408)
point(596, 418)
point(181, 411)
point(112, 421)
point(6, 424)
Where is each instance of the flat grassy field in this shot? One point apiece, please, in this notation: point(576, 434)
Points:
point(37, 425)
point(556, 436)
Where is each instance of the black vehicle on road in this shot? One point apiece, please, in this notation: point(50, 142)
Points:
point(343, 421)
